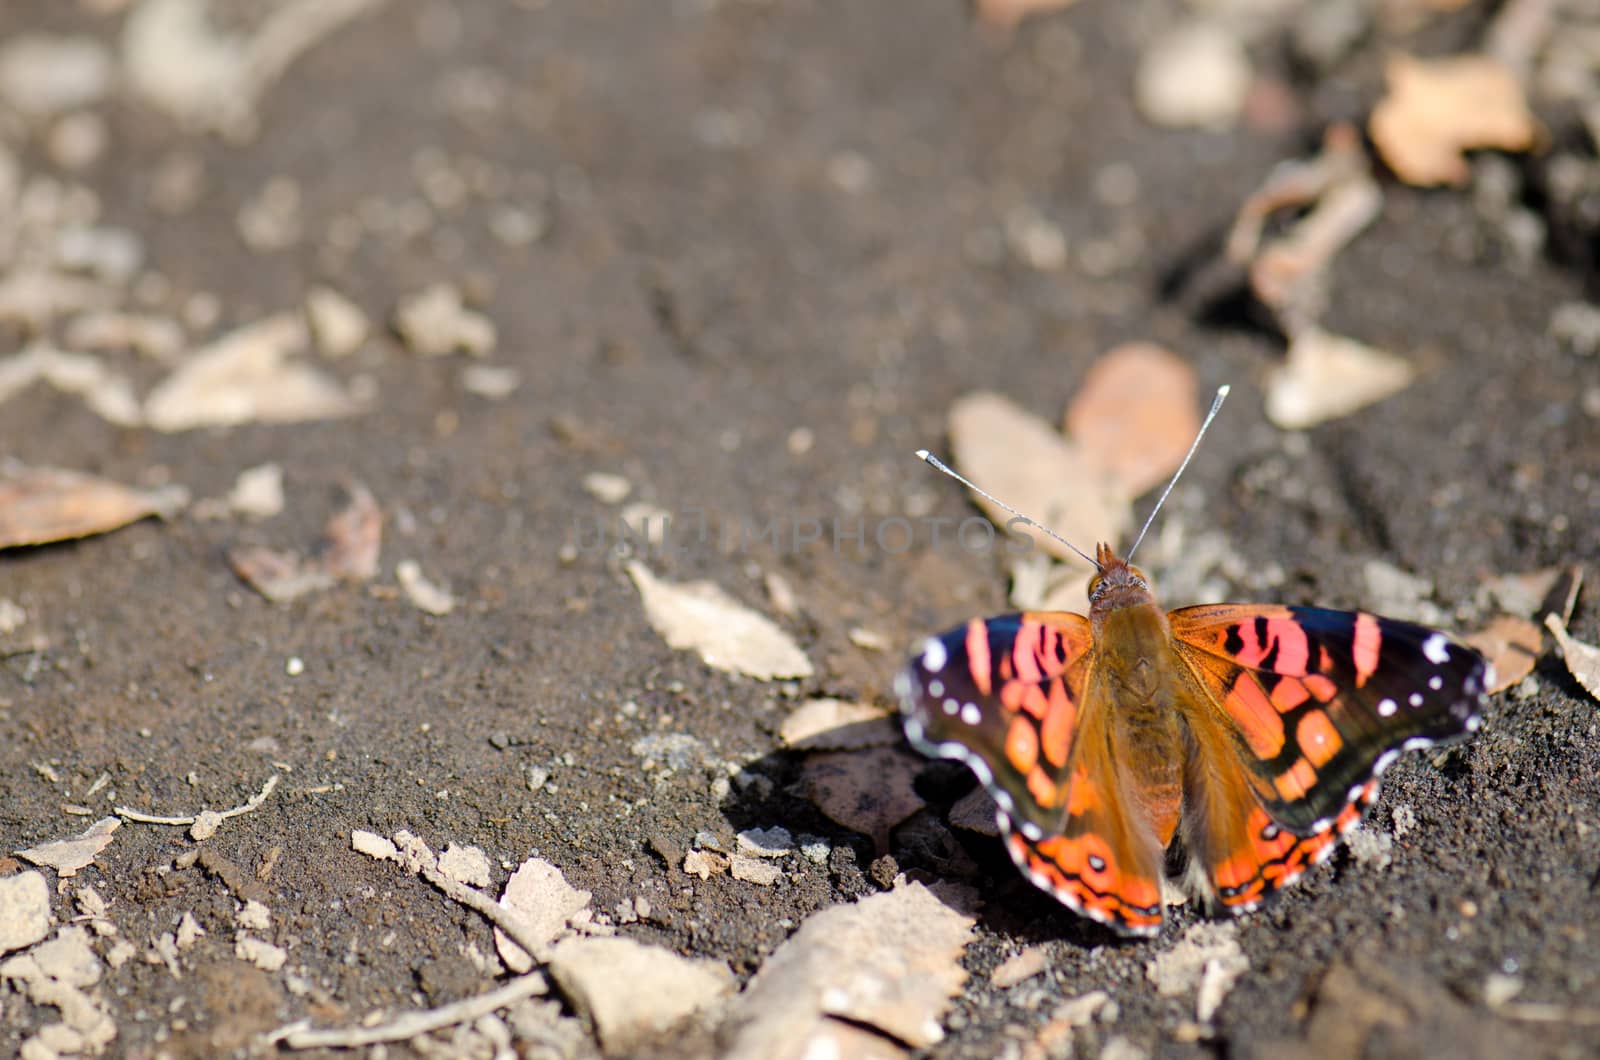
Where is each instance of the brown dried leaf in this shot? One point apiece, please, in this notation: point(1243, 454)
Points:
point(353, 537)
point(1511, 645)
point(278, 576)
point(1437, 109)
point(1025, 462)
point(725, 633)
point(867, 791)
point(248, 376)
point(1583, 660)
point(41, 505)
point(1328, 376)
point(1135, 414)
point(890, 962)
point(69, 855)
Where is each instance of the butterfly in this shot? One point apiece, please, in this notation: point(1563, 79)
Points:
point(1251, 734)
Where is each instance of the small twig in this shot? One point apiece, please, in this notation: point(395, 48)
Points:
point(1543, 1012)
point(402, 1028)
point(415, 855)
point(129, 814)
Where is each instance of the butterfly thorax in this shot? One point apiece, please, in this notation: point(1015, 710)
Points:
point(1137, 672)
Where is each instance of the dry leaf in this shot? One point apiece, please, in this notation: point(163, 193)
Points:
point(890, 962)
point(1583, 660)
point(1438, 108)
point(41, 505)
point(353, 537)
point(1511, 644)
point(67, 856)
point(726, 634)
point(541, 896)
point(1328, 376)
point(108, 394)
point(838, 725)
point(867, 791)
point(1022, 460)
point(633, 992)
point(1135, 414)
point(248, 376)
point(278, 576)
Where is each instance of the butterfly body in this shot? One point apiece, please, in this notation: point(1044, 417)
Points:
point(1253, 735)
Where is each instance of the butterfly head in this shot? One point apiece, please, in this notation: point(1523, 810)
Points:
point(1118, 583)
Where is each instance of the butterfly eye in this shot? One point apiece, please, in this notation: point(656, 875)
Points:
point(1094, 587)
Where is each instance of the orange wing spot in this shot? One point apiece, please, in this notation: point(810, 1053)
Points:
point(1293, 648)
point(1365, 648)
point(1013, 694)
point(1045, 792)
point(1249, 706)
point(1056, 730)
point(1294, 782)
point(1022, 655)
point(1022, 745)
point(1319, 740)
point(1321, 687)
point(1034, 703)
point(978, 660)
point(1290, 693)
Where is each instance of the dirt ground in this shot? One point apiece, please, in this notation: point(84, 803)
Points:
point(763, 247)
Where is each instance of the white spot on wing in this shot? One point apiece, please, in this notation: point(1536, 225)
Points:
point(933, 655)
point(1386, 708)
point(970, 714)
point(936, 687)
point(1415, 699)
point(950, 706)
point(1437, 649)
point(1436, 682)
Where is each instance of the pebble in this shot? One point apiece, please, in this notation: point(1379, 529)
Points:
point(1576, 325)
point(337, 324)
point(1196, 75)
point(435, 322)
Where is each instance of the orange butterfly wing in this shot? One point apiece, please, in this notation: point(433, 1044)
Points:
point(1009, 697)
point(1299, 711)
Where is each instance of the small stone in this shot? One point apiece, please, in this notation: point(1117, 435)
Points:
point(338, 325)
point(258, 492)
point(702, 864)
point(295, 666)
point(424, 595)
point(189, 931)
point(752, 870)
point(263, 955)
point(78, 141)
point(206, 823)
point(12, 616)
point(772, 842)
point(1576, 325)
point(1036, 241)
point(254, 916)
point(435, 322)
point(1196, 75)
point(492, 381)
point(606, 487)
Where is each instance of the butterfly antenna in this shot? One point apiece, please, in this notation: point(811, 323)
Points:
point(1216, 403)
point(940, 465)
